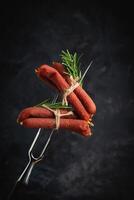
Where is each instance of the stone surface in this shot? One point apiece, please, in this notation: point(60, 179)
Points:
point(100, 167)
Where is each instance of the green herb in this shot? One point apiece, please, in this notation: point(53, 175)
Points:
point(56, 105)
point(72, 63)
point(43, 102)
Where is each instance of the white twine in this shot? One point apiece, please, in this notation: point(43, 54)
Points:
point(74, 85)
point(58, 115)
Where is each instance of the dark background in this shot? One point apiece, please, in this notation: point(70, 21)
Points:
point(96, 168)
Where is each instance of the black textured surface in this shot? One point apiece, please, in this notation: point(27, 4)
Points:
point(100, 167)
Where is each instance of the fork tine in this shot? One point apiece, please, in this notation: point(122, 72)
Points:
point(47, 143)
point(34, 141)
point(49, 138)
point(37, 135)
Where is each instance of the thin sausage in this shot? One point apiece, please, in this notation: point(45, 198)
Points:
point(80, 126)
point(40, 112)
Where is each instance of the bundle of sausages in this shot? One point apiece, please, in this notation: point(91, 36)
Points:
point(79, 120)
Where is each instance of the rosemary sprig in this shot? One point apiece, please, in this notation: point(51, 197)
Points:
point(43, 102)
point(72, 63)
point(56, 105)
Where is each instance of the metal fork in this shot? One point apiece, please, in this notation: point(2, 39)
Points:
point(25, 175)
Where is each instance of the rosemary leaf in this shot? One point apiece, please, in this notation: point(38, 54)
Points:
point(56, 105)
point(71, 63)
point(43, 102)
